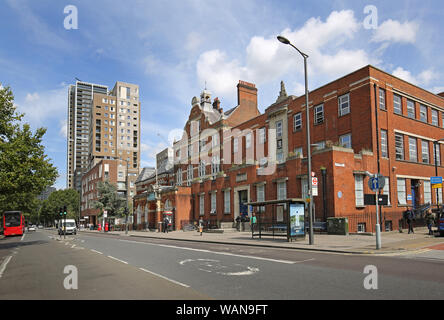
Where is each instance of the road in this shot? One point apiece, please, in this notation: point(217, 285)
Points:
point(118, 267)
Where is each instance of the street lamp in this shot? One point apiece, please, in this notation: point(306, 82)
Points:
point(310, 204)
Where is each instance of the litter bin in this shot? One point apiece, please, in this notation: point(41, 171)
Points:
point(159, 226)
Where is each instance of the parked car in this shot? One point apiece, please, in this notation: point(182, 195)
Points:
point(31, 228)
point(441, 225)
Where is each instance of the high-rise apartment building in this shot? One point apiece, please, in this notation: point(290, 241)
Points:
point(107, 127)
point(80, 98)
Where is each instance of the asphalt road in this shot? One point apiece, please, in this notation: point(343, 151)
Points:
point(113, 267)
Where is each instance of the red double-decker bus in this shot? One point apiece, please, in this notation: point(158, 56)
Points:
point(13, 223)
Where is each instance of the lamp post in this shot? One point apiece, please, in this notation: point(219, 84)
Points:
point(310, 203)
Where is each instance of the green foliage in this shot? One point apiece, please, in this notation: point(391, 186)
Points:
point(109, 200)
point(50, 209)
point(25, 170)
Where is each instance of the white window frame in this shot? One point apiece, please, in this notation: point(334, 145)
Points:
point(279, 128)
point(401, 191)
point(435, 119)
point(341, 140)
point(213, 202)
point(382, 96)
point(319, 114)
point(227, 202)
point(399, 146)
point(411, 112)
point(425, 151)
point(423, 113)
point(413, 149)
point(201, 205)
point(297, 121)
point(344, 104)
point(384, 144)
point(281, 190)
point(427, 192)
point(359, 190)
point(397, 104)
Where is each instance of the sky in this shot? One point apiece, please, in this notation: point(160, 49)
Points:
point(172, 49)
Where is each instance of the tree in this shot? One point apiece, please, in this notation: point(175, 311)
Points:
point(50, 209)
point(109, 200)
point(25, 170)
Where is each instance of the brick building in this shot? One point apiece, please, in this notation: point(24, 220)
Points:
point(226, 159)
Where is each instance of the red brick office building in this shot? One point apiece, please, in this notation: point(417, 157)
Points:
point(228, 158)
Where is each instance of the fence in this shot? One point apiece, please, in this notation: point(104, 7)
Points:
point(389, 221)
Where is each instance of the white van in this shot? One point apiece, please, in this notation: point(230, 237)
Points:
point(70, 226)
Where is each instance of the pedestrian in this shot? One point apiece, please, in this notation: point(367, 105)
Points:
point(238, 221)
point(253, 222)
point(430, 221)
point(410, 218)
point(166, 222)
point(201, 224)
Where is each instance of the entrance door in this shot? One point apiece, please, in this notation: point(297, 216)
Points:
point(243, 199)
point(416, 196)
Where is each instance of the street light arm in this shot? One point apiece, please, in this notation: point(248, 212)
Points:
point(302, 54)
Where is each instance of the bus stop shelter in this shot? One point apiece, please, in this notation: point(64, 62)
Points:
point(279, 218)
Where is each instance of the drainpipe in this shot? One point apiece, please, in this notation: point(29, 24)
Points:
point(324, 191)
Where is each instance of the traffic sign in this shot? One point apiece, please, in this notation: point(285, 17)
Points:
point(435, 180)
point(314, 181)
point(437, 186)
point(376, 182)
point(315, 191)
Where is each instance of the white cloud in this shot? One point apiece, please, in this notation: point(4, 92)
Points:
point(63, 128)
point(405, 75)
point(267, 59)
point(422, 79)
point(42, 108)
point(394, 31)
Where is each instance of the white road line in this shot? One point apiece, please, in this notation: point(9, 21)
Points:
point(3, 265)
point(160, 276)
point(118, 259)
point(217, 252)
point(96, 251)
point(23, 237)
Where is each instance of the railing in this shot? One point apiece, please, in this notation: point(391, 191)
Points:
point(389, 221)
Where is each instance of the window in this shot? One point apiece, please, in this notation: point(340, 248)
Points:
point(386, 190)
point(213, 203)
point(413, 152)
point(382, 99)
point(179, 176)
point(427, 192)
point(425, 151)
point(282, 190)
point(320, 145)
point(436, 153)
point(202, 168)
point(201, 204)
point(434, 117)
point(344, 104)
point(279, 129)
point(227, 201)
point(439, 191)
point(297, 122)
point(215, 165)
point(280, 156)
point(422, 113)
point(235, 145)
point(299, 153)
point(248, 141)
point(260, 196)
point(361, 227)
point(384, 151)
point(345, 141)
point(401, 192)
point(319, 114)
point(262, 137)
point(215, 140)
point(190, 172)
point(411, 109)
point(397, 104)
point(399, 146)
point(359, 190)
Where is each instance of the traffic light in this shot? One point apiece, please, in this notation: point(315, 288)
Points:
point(61, 211)
point(64, 210)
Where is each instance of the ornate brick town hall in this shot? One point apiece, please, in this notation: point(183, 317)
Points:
point(226, 159)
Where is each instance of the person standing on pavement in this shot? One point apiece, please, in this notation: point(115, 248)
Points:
point(253, 222)
point(410, 217)
point(430, 221)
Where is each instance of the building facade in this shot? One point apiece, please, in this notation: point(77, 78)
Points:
point(366, 121)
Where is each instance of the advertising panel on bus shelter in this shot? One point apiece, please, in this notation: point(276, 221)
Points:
point(297, 219)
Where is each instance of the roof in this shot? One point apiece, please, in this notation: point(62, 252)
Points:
point(145, 174)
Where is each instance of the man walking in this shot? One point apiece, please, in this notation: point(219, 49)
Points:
point(429, 221)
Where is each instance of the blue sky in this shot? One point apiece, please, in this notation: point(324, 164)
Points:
point(170, 48)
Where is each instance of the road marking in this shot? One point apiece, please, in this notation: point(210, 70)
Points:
point(3, 265)
point(118, 259)
point(96, 251)
point(73, 246)
point(163, 277)
point(217, 252)
point(22, 237)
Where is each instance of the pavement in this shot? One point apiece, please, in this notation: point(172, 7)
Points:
point(393, 243)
